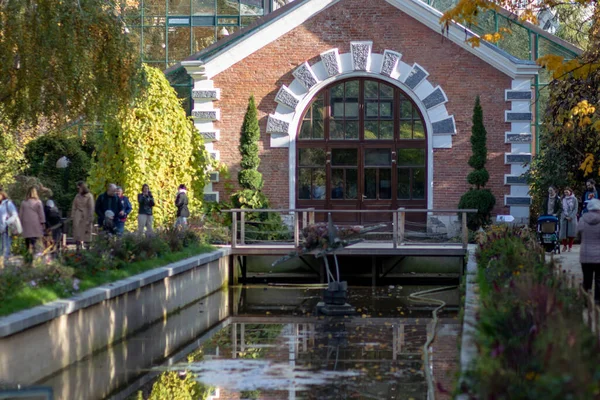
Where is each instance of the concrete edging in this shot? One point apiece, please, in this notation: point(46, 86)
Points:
point(468, 348)
point(25, 319)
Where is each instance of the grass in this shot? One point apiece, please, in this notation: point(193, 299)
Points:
point(29, 296)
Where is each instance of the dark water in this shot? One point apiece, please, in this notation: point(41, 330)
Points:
point(268, 343)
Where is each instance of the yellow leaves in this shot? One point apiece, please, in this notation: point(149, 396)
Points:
point(528, 16)
point(587, 164)
point(474, 41)
point(492, 37)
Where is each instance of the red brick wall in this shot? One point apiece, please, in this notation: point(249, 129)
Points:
point(461, 75)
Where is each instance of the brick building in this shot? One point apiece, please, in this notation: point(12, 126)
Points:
point(365, 105)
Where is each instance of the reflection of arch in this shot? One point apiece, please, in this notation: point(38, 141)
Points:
point(360, 62)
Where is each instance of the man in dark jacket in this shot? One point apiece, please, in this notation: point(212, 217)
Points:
point(108, 201)
point(181, 201)
point(122, 216)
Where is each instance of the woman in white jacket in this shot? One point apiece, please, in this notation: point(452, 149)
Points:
point(8, 215)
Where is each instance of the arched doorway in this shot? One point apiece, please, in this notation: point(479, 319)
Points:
point(361, 145)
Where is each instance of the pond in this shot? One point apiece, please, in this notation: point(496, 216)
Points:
point(266, 342)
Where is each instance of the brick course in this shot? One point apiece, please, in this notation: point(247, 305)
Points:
point(461, 75)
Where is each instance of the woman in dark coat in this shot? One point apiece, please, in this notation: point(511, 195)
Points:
point(552, 204)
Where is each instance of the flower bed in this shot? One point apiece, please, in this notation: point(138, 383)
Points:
point(531, 339)
point(109, 259)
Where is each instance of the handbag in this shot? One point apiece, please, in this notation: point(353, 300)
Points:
point(14, 223)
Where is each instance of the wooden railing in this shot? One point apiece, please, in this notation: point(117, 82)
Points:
point(592, 310)
point(305, 217)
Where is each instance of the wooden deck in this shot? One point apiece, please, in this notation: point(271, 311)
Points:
point(378, 248)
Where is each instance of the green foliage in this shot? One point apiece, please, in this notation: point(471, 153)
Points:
point(42, 154)
point(531, 339)
point(249, 177)
point(152, 142)
point(478, 142)
point(170, 385)
point(481, 199)
point(12, 161)
point(107, 260)
point(64, 59)
point(249, 198)
point(18, 189)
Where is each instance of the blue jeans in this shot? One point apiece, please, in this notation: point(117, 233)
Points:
point(181, 221)
point(119, 227)
point(5, 243)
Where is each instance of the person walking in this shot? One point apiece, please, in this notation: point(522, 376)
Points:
point(126, 210)
point(54, 223)
point(33, 219)
point(181, 201)
point(590, 193)
point(8, 216)
point(568, 219)
point(552, 204)
point(145, 205)
point(108, 201)
point(82, 215)
point(588, 230)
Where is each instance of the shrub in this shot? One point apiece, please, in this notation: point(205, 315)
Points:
point(170, 385)
point(478, 198)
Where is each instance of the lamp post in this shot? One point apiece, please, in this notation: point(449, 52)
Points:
point(63, 163)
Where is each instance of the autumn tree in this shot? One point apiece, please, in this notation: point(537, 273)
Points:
point(152, 142)
point(64, 60)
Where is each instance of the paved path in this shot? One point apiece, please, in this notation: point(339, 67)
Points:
point(569, 262)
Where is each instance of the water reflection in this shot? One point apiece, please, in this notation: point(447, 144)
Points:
point(267, 343)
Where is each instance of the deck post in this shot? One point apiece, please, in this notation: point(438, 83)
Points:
point(233, 271)
point(394, 229)
point(296, 229)
point(374, 271)
point(233, 229)
point(304, 219)
point(402, 219)
point(311, 217)
point(243, 228)
point(465, 230)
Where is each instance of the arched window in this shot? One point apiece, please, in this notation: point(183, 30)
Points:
point(361, 144)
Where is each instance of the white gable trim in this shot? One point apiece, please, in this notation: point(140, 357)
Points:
point(416, 9)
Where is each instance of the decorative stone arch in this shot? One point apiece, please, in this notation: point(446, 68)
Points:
point(360, 62)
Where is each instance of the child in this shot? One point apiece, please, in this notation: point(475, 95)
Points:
point(590, 196)
point(108, 225)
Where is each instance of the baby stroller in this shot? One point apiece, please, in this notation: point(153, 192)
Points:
point(548, 230)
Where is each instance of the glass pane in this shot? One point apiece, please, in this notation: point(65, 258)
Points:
point(251, 7)
point(337, 91)
point(155, 7)
point(318, 132)
point(371, 109)
point(312, 157)
point(378, 157)
point(419, 132)
point(202, 37)
point(179, 43)
point(403, 183)
point(228, 8)
point(370, 183)
point(203, 7)
point(386, 130)
point(304, 183)
point(371, 130)
point(385, 91)
point(179, 7)
point(305, 130)
point(336, 130)
point(371, 90)
point(337, 183)
point(418, 186)
point(337, 109)
point(385, 183)
point(352, 89)
point(346, 157)
point(351, 109)
point(352, 130)
point(385, 109)
point(351, 183)
point(411, 157)
point(406, 109)
point(318, 190)
point(317, 108)
point(154, 44)
point(405, 129)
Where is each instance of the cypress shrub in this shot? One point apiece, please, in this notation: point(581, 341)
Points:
point(478, 197)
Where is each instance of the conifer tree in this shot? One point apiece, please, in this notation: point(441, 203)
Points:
point(478, 197)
